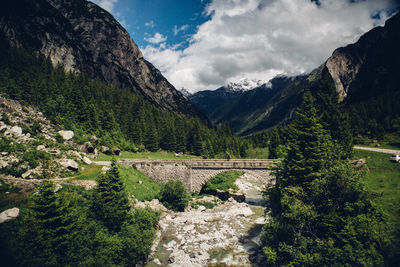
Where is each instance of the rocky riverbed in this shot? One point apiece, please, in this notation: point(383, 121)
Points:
point(226, 234)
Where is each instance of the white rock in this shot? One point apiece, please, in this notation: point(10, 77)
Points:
point(66, 135)
point(157, 262)
point(3, 164)
point(16, 130)
point(40, 147)
point(201, 208)
point(9, 214)
point(87, 160)
point(26, 174)
point(104, 169)
point(70, 164)
point(57, 188)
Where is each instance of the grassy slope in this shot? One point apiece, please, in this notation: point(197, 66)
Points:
point(383, 178)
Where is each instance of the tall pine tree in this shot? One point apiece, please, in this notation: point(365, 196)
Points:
point(110, 203)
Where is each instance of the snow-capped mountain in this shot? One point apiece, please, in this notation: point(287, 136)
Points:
point(185, 92)
point(245, 84)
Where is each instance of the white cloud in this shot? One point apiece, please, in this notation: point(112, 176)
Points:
point(156, 39)
point(106, 4)
point(176, 30)
point(150, 24)
point(262, 38)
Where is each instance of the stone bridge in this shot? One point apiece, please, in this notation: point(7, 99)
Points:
point(195, 173)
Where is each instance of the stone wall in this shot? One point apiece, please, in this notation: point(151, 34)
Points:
point(195, 173)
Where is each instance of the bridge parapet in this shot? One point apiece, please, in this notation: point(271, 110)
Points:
point(195, 173)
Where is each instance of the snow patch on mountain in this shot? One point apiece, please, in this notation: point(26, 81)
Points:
point(246, 84)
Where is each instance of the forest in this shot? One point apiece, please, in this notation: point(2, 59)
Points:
point(117, 117)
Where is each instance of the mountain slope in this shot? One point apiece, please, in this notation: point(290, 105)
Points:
point(82, 37)
point(365, 74)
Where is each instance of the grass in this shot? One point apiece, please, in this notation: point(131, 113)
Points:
point(224, 182)
point(144, 155)
point(88, 172)
point(257, 153)
point(147, 189)
point(383, 179)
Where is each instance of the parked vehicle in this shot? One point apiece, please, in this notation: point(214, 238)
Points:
point(395, 158)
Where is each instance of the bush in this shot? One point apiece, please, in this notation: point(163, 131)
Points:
point(174, 195)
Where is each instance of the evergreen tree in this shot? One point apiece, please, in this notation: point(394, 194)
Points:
point(308, 151)
point(49, 228)
point(110, 203)
point(321, 213)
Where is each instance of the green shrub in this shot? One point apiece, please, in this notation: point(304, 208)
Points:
point(33, 157)
point(174, 195)
point(6, 119)
point(59, 138)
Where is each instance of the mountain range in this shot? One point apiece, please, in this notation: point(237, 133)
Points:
point(84, 38)
point(360, 73)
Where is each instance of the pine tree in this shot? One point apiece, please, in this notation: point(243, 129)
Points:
point(308, 149)
point(48, 229)
point(110, 203)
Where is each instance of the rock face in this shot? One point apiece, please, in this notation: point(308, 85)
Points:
point(82, 37)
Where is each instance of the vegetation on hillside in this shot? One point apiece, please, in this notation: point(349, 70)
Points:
point(224, 182)
point(76, 227)
point(117, 117)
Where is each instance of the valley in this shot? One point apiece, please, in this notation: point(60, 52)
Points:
point(103, 162)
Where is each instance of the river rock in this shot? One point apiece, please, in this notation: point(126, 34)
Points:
point(66, 135)
point(9, 214)
point(70, 164)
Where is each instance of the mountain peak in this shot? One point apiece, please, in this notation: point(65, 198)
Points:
point(245, 84)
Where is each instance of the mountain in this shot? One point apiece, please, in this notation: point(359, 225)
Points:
point(82, 37)
point(241, 108)
point(365, 75)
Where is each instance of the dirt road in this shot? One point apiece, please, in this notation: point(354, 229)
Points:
point(382, 150)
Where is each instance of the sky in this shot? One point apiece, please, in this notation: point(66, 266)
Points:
point(205, 44)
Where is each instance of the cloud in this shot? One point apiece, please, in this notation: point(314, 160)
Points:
point(106, 4)
point(262, 38)
point(156, 39)
point(176, 30)
point(150, 24)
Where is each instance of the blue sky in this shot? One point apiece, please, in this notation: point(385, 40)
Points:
point(204, 44)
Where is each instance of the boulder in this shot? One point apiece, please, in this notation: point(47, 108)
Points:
point(88, 148)
point(41, 148)
point(87, 160)
point(105, 150)
point(70, 164)
point(3, 164)
point(16, 130)
point(26, 174)
point(116, 151)
point(94, 139)
point(66, 135)
point(9, 214)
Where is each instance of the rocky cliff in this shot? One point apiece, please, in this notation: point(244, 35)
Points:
point(82, 37)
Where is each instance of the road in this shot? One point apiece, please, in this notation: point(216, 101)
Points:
point(382, 150)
